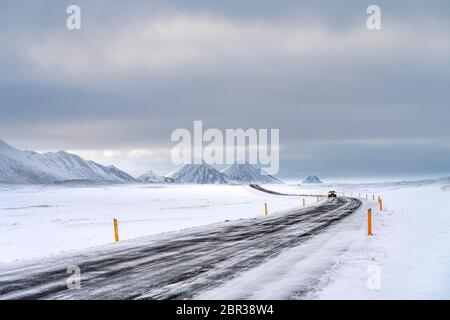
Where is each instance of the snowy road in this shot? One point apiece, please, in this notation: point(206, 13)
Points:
point(176, 266)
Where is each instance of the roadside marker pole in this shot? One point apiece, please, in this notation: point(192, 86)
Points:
point(369, 222)
point(116, 230)
point(303, 202)
point(366, 196)
point(381, 204)
point(266, 209)
point(373, 197)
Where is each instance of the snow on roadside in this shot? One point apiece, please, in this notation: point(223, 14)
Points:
point(37, 221)
point(408, 257)
point(409, 254)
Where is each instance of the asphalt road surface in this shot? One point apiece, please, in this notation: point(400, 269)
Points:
point(178, 265)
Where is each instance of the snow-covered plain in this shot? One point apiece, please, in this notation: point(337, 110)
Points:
point(36, 221)
point(407, 257)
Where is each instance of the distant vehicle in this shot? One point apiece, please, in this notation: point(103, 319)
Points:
point(332, 194)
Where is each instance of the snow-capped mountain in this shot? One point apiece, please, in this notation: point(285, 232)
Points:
point(197, 173)
point(249, 174)
point(312, 179)
point(30, 167)
point(151, 177)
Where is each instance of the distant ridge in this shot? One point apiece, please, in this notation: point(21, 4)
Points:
point(249, 174)
point(30, 167)
point(151, 177)
point(312, 180)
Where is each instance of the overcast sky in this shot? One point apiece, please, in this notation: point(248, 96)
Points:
point(348, 101)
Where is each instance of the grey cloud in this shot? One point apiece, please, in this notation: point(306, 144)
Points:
point(346, 86)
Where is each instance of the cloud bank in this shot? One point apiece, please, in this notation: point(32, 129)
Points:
point(115, 90)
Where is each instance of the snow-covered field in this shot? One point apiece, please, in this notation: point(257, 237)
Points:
point(407, 257)
point(38, 221)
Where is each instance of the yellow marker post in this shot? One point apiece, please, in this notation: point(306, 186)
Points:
point(266, 209)
point(373, 197)
point(369, 222)
point(116, 230)
point(381, 204)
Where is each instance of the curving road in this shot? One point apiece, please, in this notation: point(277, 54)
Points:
point(177, 265)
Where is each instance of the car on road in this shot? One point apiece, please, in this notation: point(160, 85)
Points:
point(332, 194)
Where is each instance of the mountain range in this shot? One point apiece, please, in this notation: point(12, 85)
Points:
point(30, 167)
point(151, 177)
